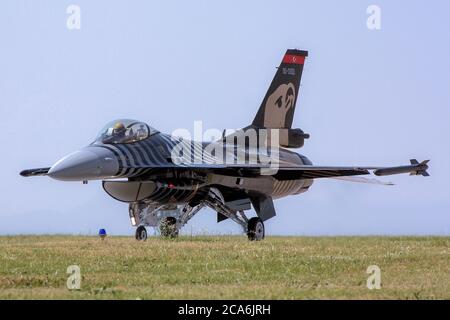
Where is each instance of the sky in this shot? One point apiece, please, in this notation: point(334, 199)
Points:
point(368, 97)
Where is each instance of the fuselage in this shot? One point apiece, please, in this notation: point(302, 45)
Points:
point(152, 160)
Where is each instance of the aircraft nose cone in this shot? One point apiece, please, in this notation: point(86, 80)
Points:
point(86, 164)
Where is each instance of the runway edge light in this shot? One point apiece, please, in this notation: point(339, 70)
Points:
point(102, 234)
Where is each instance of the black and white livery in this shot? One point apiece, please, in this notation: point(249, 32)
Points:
point(166, 180)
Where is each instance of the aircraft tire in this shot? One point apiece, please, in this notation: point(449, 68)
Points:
point(168, 227)
point(255, 229)
point(141, 233)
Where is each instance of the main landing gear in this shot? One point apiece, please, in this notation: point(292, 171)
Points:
point(141, 233)
point(169, 219)
point(255, 229)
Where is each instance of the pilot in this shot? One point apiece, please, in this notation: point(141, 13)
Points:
point(117, 134)
point(119, 131)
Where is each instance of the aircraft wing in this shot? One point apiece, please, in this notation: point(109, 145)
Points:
point(315, 172)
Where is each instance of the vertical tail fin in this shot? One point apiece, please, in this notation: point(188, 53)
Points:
point(278, 106)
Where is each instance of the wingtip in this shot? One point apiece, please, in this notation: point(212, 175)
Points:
point(34, 172)
point(25, 173)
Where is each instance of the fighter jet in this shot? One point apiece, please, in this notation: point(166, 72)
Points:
point(166, 179)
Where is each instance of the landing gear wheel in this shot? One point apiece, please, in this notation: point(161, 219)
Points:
point(255, 229)
point(141, 233)
point(168, 227)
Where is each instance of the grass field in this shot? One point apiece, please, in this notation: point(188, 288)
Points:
point(225, 267)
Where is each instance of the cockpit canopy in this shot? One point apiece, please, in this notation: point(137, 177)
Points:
point(124, 131)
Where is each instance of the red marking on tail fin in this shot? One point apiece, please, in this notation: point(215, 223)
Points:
point(293, 59)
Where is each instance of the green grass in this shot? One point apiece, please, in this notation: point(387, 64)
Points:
point(225, 267)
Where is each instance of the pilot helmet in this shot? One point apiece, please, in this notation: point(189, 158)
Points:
point(119, 127)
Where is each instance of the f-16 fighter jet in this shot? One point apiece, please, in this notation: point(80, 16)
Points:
point(166, 179)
